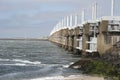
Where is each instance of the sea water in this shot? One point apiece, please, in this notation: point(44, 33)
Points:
point(34, 60)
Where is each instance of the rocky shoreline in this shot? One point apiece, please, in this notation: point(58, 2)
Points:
point(97, 67)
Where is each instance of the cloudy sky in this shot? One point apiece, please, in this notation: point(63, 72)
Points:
point(36, 18)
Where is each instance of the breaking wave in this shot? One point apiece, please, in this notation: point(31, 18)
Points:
point(20, 62)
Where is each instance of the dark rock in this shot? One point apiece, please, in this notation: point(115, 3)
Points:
point(80, 63)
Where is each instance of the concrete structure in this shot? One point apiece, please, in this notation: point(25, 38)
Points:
point(90, 31)
point(90, 37)
point(109, 33)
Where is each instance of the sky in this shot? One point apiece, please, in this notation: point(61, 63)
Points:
point(36, 18)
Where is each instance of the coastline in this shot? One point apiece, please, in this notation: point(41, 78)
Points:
point(84, 77)
point(72, 77)
point(98, 68)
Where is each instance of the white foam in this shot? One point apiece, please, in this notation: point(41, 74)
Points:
point(77, 67)
point(19, 64)
point(22, 61)
point(71, 63)
point(16, 64)
point(50, 78)
point(4, 59)
point(27, 61)
point(67, 66)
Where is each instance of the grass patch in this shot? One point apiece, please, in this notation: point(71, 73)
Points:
point(101, 68)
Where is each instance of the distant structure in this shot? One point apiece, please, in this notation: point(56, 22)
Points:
point(90, 37)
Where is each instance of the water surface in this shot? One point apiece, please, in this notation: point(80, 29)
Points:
point(26, 60)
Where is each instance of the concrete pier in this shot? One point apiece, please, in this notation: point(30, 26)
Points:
point(91, 37)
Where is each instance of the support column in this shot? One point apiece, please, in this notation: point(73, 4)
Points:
point(112, 7)
point(95, 9)
point(71, 18)
point(76, 20)
point(83, 16)
point(67, 21)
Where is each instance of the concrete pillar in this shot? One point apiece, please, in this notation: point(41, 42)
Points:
point(76, 20)
point(112, 7)
point(83, 16)
point(67, 21)
point(93, 12)
point(66, 38)
point(70, 40)
point(69, 43)
point(71, 21)
point(95, 9)
point(62, 25)
point(75, 43)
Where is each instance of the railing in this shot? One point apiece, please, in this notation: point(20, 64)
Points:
point(93, 27)
point(92, 45)
point(80, 44)
point(113, 22)
point(114, 28)
point(94, 24)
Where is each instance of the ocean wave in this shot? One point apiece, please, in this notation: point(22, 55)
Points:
point(16, 64)
point(22, 61)
point(4, 59)
point(67, 66)
point(27, 61)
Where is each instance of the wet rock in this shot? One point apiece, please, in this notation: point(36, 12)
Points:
point(79, 64)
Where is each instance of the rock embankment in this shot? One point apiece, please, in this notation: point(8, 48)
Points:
point(80, 64)
point(97, 67)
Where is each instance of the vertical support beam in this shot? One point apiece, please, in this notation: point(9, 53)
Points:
point(76, 20)
point(57, 27)
point(83, 16)
point(112, 7)
point(67, 21)
point(93, 12)
point(95, 9)
point(71, 21)
point(61, 23)
point(64, 22)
